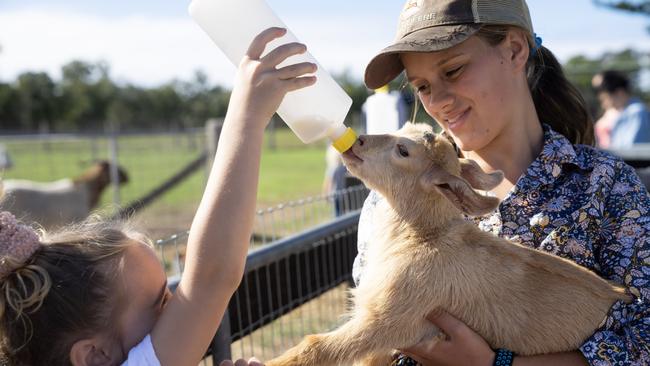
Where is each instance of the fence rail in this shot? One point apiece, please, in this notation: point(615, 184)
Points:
point(294, 284)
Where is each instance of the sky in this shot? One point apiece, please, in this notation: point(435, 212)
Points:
point(152, 42)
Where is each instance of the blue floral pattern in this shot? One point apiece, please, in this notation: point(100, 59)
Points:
point(587, 206)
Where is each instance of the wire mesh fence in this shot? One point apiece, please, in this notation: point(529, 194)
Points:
point(275, 223)
point(297, 275)
point(148, 159)
point(153, 160)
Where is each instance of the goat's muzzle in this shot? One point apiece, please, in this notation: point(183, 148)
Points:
point(351, 156)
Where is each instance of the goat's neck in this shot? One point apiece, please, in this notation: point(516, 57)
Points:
point(425, 216)
point(94, 189)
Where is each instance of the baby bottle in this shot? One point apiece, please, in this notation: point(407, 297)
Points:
point(312, 113)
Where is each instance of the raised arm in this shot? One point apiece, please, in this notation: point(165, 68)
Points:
point(220, 232)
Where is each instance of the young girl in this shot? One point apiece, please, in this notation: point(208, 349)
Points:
point(95, 293)
point(482, 74)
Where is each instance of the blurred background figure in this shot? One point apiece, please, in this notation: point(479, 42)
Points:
point(5, 159)
point(386, 111)
point(335, 179)
point(626, 120)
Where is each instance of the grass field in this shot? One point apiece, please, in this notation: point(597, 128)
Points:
point(289, 171)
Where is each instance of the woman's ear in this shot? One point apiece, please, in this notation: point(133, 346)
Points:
point(518, 49)
point(89, 352)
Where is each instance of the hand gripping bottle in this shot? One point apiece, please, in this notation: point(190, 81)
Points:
point(312, 113)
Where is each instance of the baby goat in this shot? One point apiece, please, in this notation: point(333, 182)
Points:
point(53, 204)
point(426, 256)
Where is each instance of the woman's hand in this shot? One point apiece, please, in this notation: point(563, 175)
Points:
point(462, 347)
point(252, 362)
point(259, 85)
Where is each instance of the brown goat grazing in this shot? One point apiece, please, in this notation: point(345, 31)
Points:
point(54, 204)
point(425, 256)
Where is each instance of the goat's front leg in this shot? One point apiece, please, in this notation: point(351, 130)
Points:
point(354, 340)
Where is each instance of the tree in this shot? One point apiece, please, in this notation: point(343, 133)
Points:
point(634, 6)
point(630, 6)
point(37, 100)
point(9, 108)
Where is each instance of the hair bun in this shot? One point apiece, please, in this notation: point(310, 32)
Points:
point(18, 242)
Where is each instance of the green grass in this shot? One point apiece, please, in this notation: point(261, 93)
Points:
point(289, 171)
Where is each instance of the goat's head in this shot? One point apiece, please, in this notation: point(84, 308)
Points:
point(99, 174)
point(415, 168)
point(102, 171)
point(98, 177)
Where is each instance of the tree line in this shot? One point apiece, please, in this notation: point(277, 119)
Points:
point(86, 99)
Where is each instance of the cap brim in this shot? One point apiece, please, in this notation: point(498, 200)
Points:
point(386, 66)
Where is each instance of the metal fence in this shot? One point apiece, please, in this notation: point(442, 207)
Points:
point(143, 155)
point(296, 279)
point(167, 171)
point(149, 159)
point(275, 223)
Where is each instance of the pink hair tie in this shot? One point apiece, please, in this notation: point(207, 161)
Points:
point(18, 242)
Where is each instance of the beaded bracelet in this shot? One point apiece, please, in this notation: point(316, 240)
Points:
point(503, 357)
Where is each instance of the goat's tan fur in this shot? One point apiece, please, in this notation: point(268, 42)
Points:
point(54, 204)
point(428, 257)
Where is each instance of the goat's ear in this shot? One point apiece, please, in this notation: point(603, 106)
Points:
point(458, 192)
point(477, 178)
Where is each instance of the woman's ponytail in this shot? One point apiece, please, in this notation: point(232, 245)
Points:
point(557, 101)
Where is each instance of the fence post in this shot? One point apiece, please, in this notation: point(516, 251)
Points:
point(221, 341)
point(271, 129)
point(212, 132)
point(113, 156)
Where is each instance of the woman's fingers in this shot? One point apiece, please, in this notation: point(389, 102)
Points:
point(258, 45)
point(447, 323)
point(241, 362)
point(283, 52)
point(255, 362)
point(424, 347)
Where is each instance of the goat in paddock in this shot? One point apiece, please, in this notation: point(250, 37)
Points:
point(426, 256)
point(53, 204)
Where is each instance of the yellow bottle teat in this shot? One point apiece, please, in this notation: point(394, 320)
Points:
point(345, 142)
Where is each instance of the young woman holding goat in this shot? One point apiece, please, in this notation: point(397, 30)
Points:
point(483, 75)
point(95, 294)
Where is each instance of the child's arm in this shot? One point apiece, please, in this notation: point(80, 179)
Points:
point(220, 233)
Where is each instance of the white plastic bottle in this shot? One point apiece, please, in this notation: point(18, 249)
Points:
point(312, 113)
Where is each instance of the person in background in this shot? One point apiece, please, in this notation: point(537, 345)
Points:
point(385, 111)
point(481, 72)
point(626, 117)
point(5, 158)
point(334, 182)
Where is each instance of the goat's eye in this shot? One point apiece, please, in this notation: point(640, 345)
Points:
point(402, 151)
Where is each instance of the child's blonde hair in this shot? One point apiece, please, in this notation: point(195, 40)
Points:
point(64, 292)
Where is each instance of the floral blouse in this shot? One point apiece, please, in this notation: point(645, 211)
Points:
point(587, 206)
